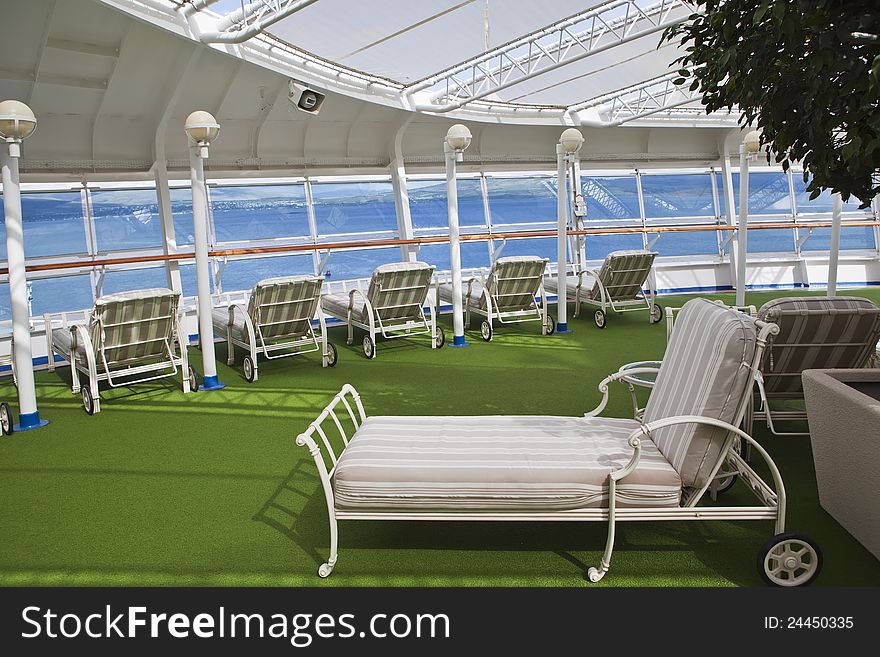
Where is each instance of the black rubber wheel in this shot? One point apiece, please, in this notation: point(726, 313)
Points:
point(441, 337)
point(486, 331)
point(248, 369)
point(88, 402)
point(550, 329)
point(332, 356)
point(369, 347)
point(600, 318)
point(656, 313)
point(789, 559)
point(5, 419)
point(193, 381)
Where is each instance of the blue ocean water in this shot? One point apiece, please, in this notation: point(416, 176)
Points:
point(129, 219)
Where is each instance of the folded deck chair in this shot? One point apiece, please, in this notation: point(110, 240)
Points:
point(618, 286)
point(276, 323)
point(393, 306)
point(814, 333)
point(589, 468)
point(128, 338)
point(505, 295)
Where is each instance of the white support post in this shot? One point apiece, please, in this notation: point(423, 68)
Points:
point(561, 239)
point(834, 250)
point(29, 415)
point(454, 247)
point(742, 226)
point(203, 274)
point(729, 212)
point(169, 241)
point(408, 252)
point(581, 241)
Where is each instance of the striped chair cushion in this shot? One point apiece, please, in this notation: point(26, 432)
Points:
point(816, 333)
point(336, 305)
point(284, 307)
point(571, 284)
point(134, 325)
point(514, 282)
point(623, 274)
point(509, 463)
point(703, 373)
point(398, 290)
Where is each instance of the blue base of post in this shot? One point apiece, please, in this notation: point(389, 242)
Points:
point(212, 383)
point(563, 328)
point(28, 421)
point(458, 341)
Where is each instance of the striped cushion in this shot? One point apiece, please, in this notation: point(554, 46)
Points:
point(624, 273)
point(514, 281)
point(336, 305)
point(284, 307)
point(398, 290)
point(134, 325)
point(571, 284)
point(703, 373)
point(816, 333)
point(509, 463)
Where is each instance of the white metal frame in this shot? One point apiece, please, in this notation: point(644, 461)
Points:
point(294, 345)
point(117, 374)
point(606, 300)
point(772, 499)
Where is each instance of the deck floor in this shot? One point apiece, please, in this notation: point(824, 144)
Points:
point(210, 489)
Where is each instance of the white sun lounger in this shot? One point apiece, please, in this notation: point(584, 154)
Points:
point(549, 468)
point(276, 323)
point(128, 338)
point(392, 306)
point(506, 294)
point(618, 286)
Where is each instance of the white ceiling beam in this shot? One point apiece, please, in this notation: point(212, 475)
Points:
point(82, 47)
point(47, 27)
point(100, 109)
point(269, 98)
point(254, 18)
point(564, 42)
point(62, 80)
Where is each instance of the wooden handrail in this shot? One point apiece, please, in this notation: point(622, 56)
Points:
point(438, 239)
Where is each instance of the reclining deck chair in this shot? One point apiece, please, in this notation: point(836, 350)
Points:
point(507, 295)
point(277, 320)
point(590, 468)
point(618, 286)
point(128, 338)
point(393, 306)
point(814, 333)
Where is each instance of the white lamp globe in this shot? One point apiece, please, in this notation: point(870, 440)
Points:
point(571, 140)
point(752, 141)
point(17, 121)
point(458, 137)
point(202, 127)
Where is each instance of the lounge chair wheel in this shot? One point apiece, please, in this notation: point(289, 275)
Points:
point(5, 418)
point(486, 331)
point(324, 570)
point(600, 318)
point(247, 368)
point(369, 347)
point(789, 559)
point(332, 356)
point(550, 327)
point(441, 337)
point(88, 402)
point(656, 313)
point(193, 381)
point(723, 484)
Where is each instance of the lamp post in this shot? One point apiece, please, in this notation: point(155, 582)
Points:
point(570, 142)
point(834, 247)
point(17, 123)
point(458, 138)
point(202, 129)
point(750, 146)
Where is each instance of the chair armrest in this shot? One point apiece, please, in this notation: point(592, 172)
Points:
point(603, 386)
point(248, 323)
point(367, 303)
point(78, 333)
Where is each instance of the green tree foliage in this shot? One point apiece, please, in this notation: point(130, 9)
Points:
point(807, 72)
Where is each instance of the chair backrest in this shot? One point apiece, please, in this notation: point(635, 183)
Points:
point(623, 273)
point(705, 372)
point(514, 282)
point(816, 333)
point(398, 290)
point(134, 326)
point(284, 307)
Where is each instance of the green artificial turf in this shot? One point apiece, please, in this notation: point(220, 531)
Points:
point(209, 488)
